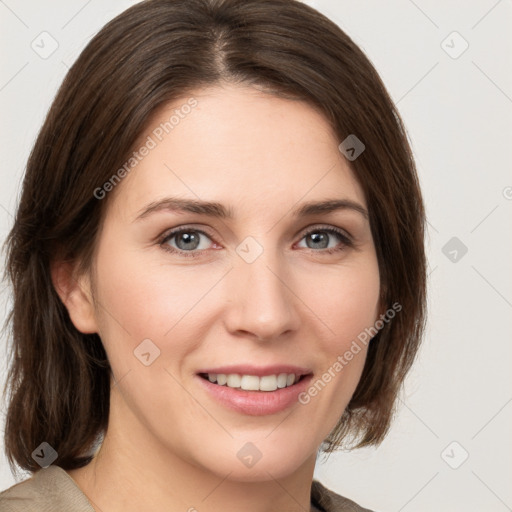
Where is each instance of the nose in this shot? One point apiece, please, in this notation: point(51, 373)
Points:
point(262, 302)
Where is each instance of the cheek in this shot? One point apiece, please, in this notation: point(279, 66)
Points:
point(346, 299)
point(150, 320)
point(147, 299)
point(347, 303)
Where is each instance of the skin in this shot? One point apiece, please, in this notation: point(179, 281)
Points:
point(169, 445)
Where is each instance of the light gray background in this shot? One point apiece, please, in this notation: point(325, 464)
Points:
point(458, 112)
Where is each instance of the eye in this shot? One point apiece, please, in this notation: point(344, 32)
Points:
point(189, 242)
point(321, 237)
point(185, 240)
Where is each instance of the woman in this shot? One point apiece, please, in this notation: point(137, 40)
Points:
point(217, 265)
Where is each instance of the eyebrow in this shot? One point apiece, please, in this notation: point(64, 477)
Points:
point(218, 210)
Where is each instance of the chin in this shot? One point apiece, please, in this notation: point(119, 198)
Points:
point(258, 461)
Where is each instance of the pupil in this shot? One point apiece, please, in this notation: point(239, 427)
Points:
point(317, 238)
point(189, 240)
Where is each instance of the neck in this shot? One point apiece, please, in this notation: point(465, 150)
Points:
point(133, 472)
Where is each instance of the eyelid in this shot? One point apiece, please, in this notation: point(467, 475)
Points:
point(326, 227)
point(186, 227)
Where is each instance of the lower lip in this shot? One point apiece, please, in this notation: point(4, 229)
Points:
point(256, 403)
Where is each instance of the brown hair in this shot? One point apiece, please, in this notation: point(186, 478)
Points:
point(154, 52)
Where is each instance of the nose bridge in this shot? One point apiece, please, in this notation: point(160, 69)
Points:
point(264, 304)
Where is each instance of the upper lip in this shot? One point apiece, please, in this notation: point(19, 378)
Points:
point(259, 371)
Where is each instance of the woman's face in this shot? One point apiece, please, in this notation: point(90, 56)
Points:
point(259, 291)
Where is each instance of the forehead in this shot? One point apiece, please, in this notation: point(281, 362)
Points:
point(239, 146)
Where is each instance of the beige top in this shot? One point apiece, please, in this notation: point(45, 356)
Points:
point(53, 490)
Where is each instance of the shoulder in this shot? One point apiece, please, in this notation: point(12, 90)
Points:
point(49, 489)
point(328, 501)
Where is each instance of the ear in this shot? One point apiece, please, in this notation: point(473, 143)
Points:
point(75, 294)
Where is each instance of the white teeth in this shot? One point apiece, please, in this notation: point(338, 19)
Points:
point(253, 382)
point(234, 380)
point(250, 383)
point(268, 383)
point(281, 380)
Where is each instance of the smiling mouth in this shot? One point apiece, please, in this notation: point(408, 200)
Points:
point(266, 383)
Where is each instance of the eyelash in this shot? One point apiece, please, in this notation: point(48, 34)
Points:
point(346, 241)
